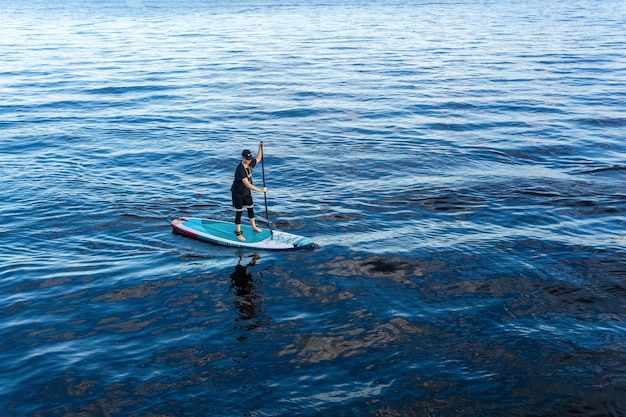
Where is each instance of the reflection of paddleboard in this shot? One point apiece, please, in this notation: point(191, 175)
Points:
point(223, 233)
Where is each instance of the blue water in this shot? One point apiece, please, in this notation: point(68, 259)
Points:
point(461, 164)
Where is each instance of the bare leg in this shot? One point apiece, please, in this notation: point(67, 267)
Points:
point(254, 226)
point(252, 221)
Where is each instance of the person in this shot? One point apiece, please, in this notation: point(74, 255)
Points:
point(242, 187)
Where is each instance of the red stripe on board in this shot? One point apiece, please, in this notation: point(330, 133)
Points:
point(183, 231)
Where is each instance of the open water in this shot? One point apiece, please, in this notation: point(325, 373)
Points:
point(461, 164)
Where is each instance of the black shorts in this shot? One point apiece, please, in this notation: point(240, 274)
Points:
point(242, 201)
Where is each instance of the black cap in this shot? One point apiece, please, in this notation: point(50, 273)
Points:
point(246, 154)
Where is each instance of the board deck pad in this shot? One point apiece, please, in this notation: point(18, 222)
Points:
point(223, 233)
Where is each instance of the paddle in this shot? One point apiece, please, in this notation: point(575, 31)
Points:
point(267, 216)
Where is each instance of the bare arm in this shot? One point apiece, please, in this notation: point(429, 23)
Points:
point(259, 153)
point(248, 184)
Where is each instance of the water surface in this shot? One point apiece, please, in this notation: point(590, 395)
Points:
point(460, 164)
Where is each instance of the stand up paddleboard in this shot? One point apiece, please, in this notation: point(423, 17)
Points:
point(223, 233)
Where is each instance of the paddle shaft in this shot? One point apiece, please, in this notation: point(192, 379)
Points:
point(267, 216)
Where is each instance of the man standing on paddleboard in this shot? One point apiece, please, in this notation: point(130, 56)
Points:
point(241, 189)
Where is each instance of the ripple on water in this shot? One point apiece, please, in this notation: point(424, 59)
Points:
point(467, 196)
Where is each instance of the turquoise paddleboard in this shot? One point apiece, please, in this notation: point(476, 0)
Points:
point(223, 233)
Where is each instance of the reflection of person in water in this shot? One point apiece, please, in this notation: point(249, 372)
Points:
point(248, 301)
